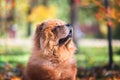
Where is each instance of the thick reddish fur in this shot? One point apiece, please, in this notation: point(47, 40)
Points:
point(50, 62)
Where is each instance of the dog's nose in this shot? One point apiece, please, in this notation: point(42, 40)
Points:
point(68, 25)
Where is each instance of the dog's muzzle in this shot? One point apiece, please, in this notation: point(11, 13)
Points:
point(63, 40)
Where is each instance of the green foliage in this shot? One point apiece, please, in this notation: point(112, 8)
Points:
point(118, 52)
point(86, 15)
point(63, 9)
point(116, 31)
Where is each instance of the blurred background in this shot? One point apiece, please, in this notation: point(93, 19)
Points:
point(96, 26)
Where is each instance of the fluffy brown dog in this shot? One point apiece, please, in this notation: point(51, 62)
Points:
point(52, 56)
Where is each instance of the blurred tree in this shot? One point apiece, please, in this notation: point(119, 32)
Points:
point(97, 8)
point(0, 17)
point(73, 17)
point(73, 12)
point(32, 4)
point(45, 2)
point(107, 14)
point(115, 13)
point(3, 9)
point(101, 15)
point(9, 14)
point(21, 13)
point(110, 65)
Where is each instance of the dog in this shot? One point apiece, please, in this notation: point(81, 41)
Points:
point(52, 56)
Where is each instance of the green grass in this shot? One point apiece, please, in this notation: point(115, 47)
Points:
point(14, 55)
point(14, 59)
point(87, 57)
point(14, 50)
point(95, 56)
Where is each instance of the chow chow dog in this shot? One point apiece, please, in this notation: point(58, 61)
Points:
point(52, 56)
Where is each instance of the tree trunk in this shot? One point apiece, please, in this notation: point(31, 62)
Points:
point(110, 65)
point(73, 18)
point(29, 23)
point(110, 47)
point(45, 2)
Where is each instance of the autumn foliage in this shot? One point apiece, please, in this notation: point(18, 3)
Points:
point(101, 13)
point(40, 13)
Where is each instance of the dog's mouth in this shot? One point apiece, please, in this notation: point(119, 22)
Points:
point(63, 40)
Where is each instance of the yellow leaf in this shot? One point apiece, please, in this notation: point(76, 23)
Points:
point(41, 13)
point(112, 13)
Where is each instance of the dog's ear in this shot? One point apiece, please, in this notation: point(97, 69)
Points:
point(39, 28)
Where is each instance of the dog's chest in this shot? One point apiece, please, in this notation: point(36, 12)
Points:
point(50, 68)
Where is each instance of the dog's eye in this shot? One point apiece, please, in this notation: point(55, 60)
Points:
point(55, 29)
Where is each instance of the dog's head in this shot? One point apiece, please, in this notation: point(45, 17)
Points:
point(53, 35)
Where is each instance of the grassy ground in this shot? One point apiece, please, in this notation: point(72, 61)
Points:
point(90, 61)
point(96, 56)
point(14, 55)
point(87, 56)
